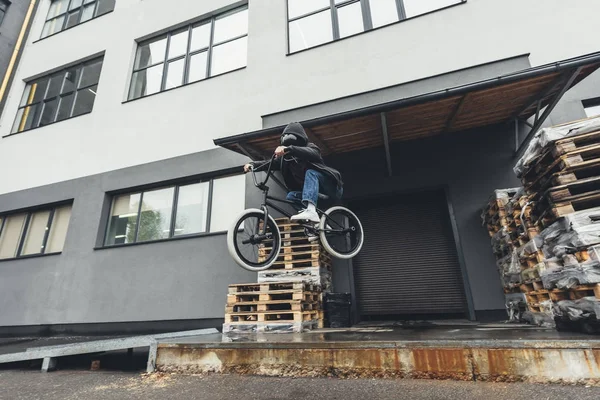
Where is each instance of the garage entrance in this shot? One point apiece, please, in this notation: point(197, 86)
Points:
point(409, 266)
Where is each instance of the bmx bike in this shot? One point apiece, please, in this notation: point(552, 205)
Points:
point(254, 240)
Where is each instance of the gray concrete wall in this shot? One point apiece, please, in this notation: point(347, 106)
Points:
point(177, 279)
point(570, 107)
point(471, 164)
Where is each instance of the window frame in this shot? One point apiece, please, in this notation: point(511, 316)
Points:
point(23, 235)
point(366, 17)
point(589, 103)
point(4, 6)
point(79, 67)
point(66, 14)
point(166, 61)
point(174, 208)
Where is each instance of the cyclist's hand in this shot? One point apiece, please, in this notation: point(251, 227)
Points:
point(248, 167)
point(280, 151)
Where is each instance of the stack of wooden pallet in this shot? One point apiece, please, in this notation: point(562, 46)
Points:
point(560, 172)
point(273, 307)
point(496, 218)
point(289, 295)
point(299, 260)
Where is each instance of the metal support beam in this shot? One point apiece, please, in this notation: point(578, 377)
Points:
point(537, 98)
point(386, 143)
point(540, 121)
point(516, 134)
point(527, 123)
point(455, 113)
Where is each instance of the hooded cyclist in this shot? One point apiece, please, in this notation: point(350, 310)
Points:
point(304, 172)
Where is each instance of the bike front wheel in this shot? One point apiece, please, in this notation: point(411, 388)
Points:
point(341, 232)
point(251, 246)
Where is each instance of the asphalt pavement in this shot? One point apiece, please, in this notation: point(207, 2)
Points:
point(81, 385)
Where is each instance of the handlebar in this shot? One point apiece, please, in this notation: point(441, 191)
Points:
point(262, 185)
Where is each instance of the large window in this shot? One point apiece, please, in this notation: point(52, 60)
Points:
point(314, 22)
point(64, 94)
point(592, 107)
point(3, 8)
point(175, 211)
point(64, 14)
point(190, 54)
point(34, 233)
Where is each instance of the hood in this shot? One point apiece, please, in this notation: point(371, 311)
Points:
point(296, 129)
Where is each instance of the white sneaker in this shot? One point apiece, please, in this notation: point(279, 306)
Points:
point(306, 215)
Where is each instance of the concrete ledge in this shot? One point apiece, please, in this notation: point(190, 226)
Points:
point(534, 361)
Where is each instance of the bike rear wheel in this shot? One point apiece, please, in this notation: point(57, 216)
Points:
point(341, 232)
point(249, 247)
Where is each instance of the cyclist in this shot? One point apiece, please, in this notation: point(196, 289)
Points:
point(304, 172)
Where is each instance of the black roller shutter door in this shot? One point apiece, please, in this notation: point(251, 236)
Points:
point(409, 263)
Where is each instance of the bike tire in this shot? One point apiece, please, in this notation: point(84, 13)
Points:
point(235, 251)
point(325, 239)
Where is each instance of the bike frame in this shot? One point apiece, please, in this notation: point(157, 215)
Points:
point(266, 203)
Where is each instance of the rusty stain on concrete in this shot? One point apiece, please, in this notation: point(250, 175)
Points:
point(537, 365)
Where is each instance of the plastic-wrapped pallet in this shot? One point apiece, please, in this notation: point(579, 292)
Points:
point(576, 310)
point(571, 232)
point(549, 135)
point(584, 273)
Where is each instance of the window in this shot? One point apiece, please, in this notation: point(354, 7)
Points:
point(61, 95)
point(32, 233)
point(314, 22)
point(175, 211)
point(3, 8)
point(592, 107)
point(191, 54)
point(64, 14)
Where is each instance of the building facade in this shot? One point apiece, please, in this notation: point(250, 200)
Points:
point(114, 199)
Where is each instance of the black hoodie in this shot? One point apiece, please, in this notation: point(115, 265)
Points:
point(300, 158)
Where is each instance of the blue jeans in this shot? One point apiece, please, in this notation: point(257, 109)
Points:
point(316, 182)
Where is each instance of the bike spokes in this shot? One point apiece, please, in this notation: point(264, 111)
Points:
point(255, 243)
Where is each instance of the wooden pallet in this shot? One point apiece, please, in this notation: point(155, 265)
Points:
point(272, 327)
point(585, 291)
point(276, 305)
point(542, 176)
point(579, 187)
point(268, 287)
point(575, 203)
point(537, 296)
point(532, 260)
point(531, 286)
point(281, 295)
point(273, 316)
point(573, 143)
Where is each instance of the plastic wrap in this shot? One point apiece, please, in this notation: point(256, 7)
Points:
point(594, 252)
point(576, 310)
point(571, 232)
point(539, 318)
point(585, 273)
point(530, 247)
point(315, 275)
point(516, 305)
point(510, 265)
point(512, 204)
point(546, 136)
point(501, 242)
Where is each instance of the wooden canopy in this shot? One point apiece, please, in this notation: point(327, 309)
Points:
point(519, 96)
